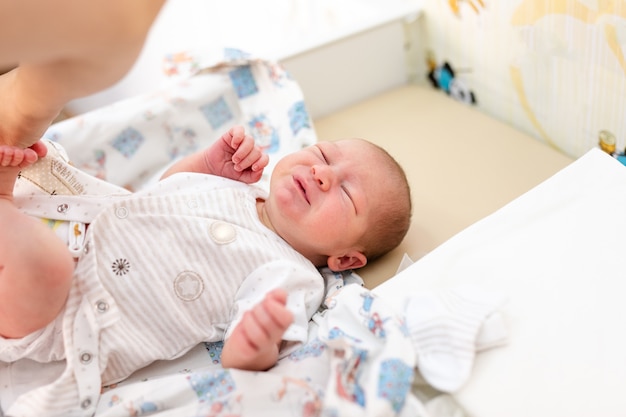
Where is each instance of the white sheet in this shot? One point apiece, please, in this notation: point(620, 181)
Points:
point(558, 252)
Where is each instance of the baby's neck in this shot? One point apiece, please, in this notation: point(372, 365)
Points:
point(260, 208)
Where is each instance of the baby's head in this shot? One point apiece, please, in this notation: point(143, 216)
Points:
point(392, 217)
point(339, 203)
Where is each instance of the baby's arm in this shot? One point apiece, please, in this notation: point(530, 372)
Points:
point(234, 156)
point(254, 343)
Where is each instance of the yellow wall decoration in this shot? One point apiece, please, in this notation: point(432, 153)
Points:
point(553, 68)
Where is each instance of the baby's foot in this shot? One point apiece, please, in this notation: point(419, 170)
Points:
point(12, 160)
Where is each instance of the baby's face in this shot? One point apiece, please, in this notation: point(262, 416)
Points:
point(321, 198)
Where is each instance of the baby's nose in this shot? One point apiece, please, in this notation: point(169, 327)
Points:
point(322, 175)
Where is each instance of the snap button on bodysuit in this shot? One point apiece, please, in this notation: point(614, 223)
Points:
point(121, 212)
point(85, 358)
point(102, 306)
point(222, 233)
point(62, 208)
point(86, 403)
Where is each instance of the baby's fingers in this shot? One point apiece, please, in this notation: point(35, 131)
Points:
point(249, 155)
point(275, 304)
point(271, 319)
point(261, 163)
point(242, 153)
point(235, 136)
point(259, 330)
point(255, 160)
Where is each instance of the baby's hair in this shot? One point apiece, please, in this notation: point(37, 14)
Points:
point(392, 217)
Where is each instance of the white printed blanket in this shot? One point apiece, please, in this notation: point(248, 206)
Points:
point(130, 142)
point(358, 361)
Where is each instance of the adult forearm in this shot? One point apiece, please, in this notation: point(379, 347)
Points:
point(63, 49)
point(81, 46)
point(43, 30)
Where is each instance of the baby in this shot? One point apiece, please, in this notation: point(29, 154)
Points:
point(194, 258)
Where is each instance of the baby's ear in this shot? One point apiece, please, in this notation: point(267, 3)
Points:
point(351, 260)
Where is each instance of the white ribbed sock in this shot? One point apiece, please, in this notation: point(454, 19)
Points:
point(446, 327)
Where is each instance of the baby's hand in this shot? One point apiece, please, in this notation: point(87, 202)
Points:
point(236, 156)
point(253, 345)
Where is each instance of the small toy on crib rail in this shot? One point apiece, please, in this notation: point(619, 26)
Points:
point(444, 78)
point(607, 142)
